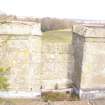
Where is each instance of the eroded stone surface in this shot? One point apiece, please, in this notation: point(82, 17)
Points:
point(34, 64)
point(58, 63)
point(20, 50)
point(89, 48)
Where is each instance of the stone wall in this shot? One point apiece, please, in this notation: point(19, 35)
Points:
point(20, 50)
point(90, 47)
point(24, 59)
point(34, 64)
point(78, 47)
point(58, 64)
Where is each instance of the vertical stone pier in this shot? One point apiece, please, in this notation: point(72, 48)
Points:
point(89, 53)
point(20, 50)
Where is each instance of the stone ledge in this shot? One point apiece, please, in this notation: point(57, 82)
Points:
point(19, 94)
point(92, 93)
point(20, 28)
point(87, 31)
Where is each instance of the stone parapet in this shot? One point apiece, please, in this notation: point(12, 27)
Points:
point(89, 31)
point(19, 28)
point(89, 54)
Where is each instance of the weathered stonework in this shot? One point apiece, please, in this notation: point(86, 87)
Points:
point(89, 47)
point(57, 60)
point(36, 65)
point(20, 50)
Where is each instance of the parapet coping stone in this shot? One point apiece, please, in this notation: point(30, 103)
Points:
point(18, 27)
point(86, 30)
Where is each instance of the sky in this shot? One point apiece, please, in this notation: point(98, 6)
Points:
point(73, 9)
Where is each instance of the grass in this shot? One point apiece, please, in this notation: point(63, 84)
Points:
point(63, 36)
point(58, 96)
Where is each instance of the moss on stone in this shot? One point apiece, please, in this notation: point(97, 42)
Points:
point(3, 69)
point(3, 83)
point(3, 79)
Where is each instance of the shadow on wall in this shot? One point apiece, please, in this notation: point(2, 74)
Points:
point(70, 65)
point(78, 48)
